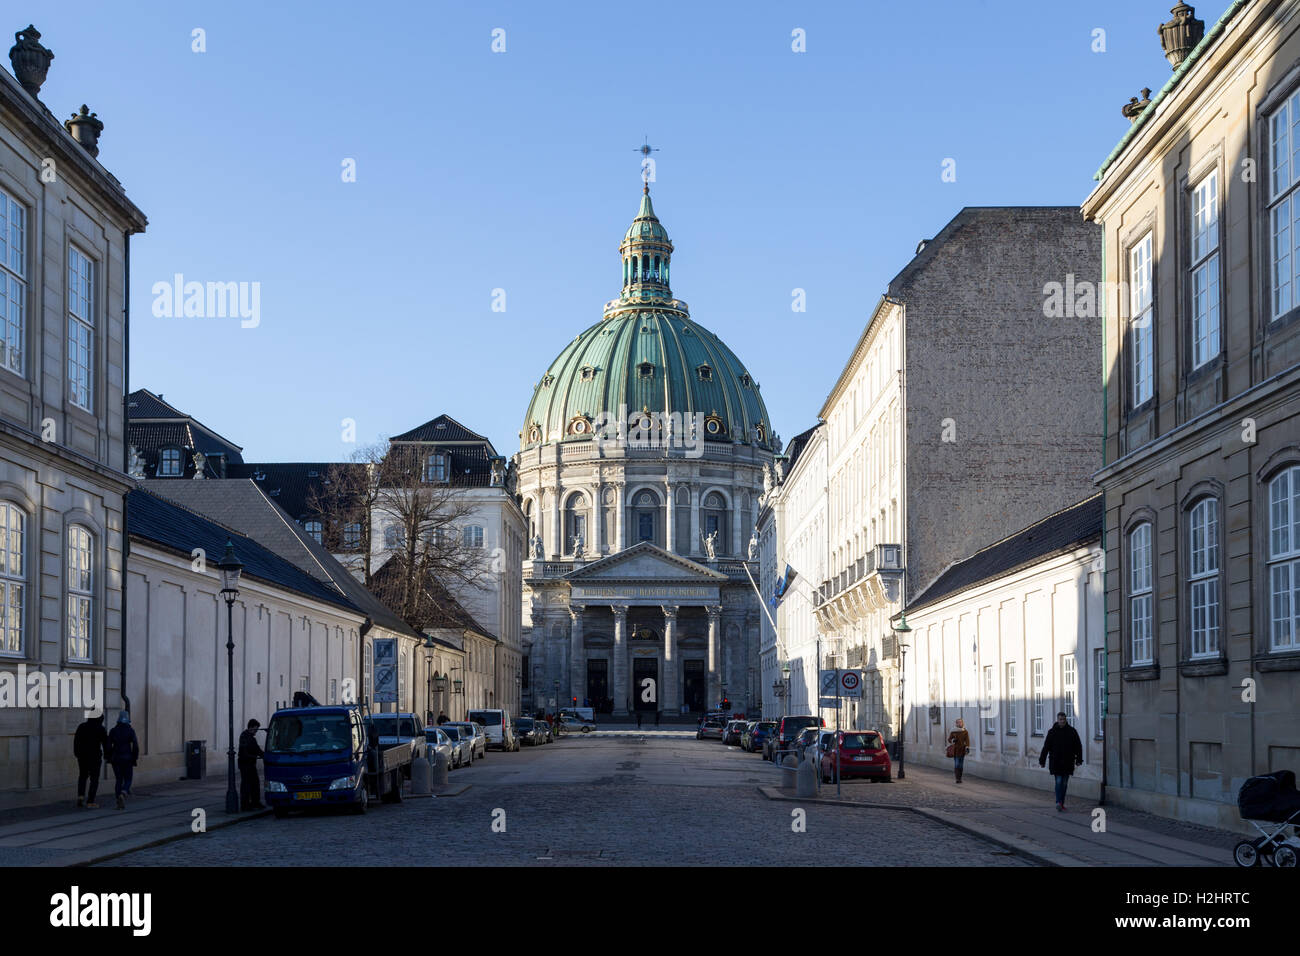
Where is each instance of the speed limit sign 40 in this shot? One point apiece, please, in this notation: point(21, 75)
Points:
point(851, 684)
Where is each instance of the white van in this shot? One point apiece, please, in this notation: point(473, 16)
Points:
point(496, 724)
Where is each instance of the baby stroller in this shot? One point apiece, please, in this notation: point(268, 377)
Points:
point(1271, 798)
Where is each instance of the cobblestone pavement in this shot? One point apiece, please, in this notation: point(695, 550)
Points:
point(594, 801)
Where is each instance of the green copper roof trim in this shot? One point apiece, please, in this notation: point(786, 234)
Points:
point(646, 211)
point(1192, 58)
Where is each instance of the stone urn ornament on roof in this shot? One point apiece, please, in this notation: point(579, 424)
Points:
point(1180, 35)
point(30, 60)
point(85, 128)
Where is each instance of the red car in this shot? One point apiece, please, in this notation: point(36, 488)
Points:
point(862, 754)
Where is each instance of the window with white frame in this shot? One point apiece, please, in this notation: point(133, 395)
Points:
point(1141, 646)
point(81, 328)
point(1099, 705)
point(1068, 674)
point(316, 529)
point(1284, 560)
point(474, 535)
point(1284, 206)
point(13, 283)
point(169, 463)
point(1142, 321)
point(334, 690)
point(435, 467)
point(13, 580)
point(80, 554)
point(352, 536)
point(1205, 270)
point(1040, 706)
point(1012, 724)
point(990, 724)
point(1203, 576)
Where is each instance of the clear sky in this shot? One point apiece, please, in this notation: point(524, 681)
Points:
point(477, 171)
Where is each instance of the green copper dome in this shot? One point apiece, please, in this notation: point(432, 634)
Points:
point(647, 355)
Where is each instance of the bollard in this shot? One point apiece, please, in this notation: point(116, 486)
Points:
point(789, 766)
point(438, 775)
point(421, 774)
point(807, 779)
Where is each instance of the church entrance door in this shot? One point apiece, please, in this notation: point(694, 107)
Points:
point(642, 668)
point(695, 688)
point(598, 685)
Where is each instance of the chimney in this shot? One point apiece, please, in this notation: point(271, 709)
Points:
point(1180, 35)
point(30, 60)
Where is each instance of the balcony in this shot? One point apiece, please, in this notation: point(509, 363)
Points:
point(870, 583)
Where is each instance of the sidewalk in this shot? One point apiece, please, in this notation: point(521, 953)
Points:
point(63, 835)
point(1027, 821)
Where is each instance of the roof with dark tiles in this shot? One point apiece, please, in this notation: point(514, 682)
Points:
point(439, 608)
point(154, 424)
point(1056, 534)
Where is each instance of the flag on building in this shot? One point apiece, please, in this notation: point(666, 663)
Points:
point(783, 584)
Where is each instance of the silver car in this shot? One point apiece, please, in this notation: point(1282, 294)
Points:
point(479, 738)
point(438, 742)
point(462, 742)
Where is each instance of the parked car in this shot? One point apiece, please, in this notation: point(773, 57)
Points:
point(526, 731)
point(437, 742)
point(787, 729)
point(731, 733)
point(806, 741)
point(463, 743)
point(711, 727)
point(478, 736)
point(496, 724)
point(545, 735)
point(569, 725)
point(400, 729)
point(583, 713)
point(756, 734)
point(862, 754)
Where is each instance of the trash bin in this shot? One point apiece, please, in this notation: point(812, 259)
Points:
point(196, 759)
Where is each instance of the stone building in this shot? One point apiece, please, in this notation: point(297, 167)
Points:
point(642, 457)
point(65, 230)
point(1201, 380)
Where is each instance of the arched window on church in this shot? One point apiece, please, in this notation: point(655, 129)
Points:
point(645, 512)
point(633, 268)
point(575, 523)
point(713, 518)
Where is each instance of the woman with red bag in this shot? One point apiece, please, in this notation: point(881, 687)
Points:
point(958, 747)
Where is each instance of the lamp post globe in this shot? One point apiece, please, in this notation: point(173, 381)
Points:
point(230, 568)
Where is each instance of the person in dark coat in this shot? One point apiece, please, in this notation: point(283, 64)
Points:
point(1063, 748)
point(442, 717)
point(959, 740)
point(123, 753)
point(90, 747)
point(250, 788)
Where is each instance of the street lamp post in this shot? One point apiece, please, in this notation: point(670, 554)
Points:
point(428, 678)
point(230, 568)
point(902, 630)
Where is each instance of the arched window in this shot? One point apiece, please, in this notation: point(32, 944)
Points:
point(633, 260)
point(713, 520)
point(1284, 560)
point(1203, 576)
point(646, 509)
point(1141, 645)
point(575, 523)
point(81, 594)
point(170, 463)
point(13, 579)
point(528, 516)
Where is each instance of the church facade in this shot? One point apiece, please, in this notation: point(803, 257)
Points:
point(643, 455)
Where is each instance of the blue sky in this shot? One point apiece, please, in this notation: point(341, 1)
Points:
point(478, 170)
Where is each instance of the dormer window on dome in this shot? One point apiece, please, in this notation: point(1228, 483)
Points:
point(534, 434)
point(746, 381)
point(705, 373)
point(579, 425)
point(646, 370)
point(714, 426)
point(587, 373)
point(548, 380)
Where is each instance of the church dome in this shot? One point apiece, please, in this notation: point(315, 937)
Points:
point(647, 355)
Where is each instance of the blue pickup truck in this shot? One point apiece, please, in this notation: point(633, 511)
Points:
point(329, 756)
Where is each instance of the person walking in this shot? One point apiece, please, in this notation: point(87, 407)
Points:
point(250, 788)
point(1063, 748)
point(442, 717)
point(123, 753)
point(90, 747)
point(958, 747)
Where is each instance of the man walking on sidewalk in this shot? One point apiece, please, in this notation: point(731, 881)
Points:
point(250, 788)
point(123, 752)
point(1064, 749)
point(90, 747)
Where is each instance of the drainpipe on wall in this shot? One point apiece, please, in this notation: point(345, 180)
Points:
point(126, 452)
point(1105, 435)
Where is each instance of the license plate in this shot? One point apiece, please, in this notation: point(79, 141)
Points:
point(307, 795)
point(864, 758)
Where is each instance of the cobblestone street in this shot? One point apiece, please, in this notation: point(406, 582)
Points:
point(594, 801)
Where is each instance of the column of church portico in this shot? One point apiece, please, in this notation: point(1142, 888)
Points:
point(715, 686)
point(668, 692)
point(620, 690)
point(577, 656)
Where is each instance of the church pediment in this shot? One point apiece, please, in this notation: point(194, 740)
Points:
point(645, 562)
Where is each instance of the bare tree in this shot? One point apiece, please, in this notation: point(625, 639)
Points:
point(416, 553)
